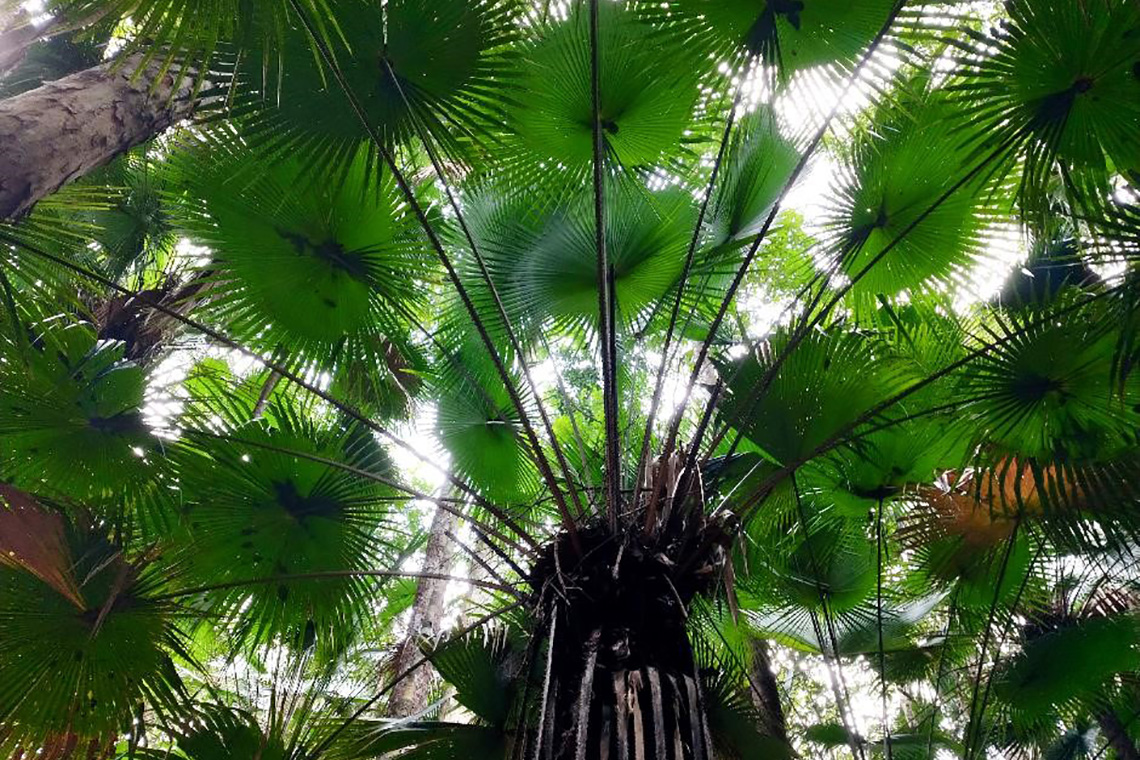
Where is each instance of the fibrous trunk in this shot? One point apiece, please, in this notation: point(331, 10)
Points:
point(64, 129)
point(622, 682)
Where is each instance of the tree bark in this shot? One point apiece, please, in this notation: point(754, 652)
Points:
point(766, 692)
point(16, 36)
point(57, 133)
point(1117, 736)
point(410, 696)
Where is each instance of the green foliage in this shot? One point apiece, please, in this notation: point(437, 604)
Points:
point(279, 537)
point(71, 412)
point(86, 635)
point(900, 445)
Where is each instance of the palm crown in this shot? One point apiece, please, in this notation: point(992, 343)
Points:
point(767, 366)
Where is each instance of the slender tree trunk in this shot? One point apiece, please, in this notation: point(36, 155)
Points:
point(766, 692)
point(1117, 736)
point(16, 36)
point(62, 130)
point(410, 695)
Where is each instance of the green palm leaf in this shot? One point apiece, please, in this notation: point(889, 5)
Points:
point(254, 509)
point(319, 266)
point(71, 414)
point(646, 101)
point(1062, 76)
point(80, 666)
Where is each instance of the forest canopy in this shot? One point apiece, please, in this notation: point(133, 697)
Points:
point(569, 379)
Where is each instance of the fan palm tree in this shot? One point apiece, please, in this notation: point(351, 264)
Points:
point(571, 379)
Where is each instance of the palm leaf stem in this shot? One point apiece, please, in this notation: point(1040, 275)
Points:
point(571, 407)
point(936, 708)
point(512, 337)
point(502, 554)
point(332, 574)
point(607, 329)
point(643, 455)
point(474, 555)
point(742, 270)
point(821, 277)
point(839, 684)
point(879, 628)
point(974, 716)
point(453, 275)
point(984, 738)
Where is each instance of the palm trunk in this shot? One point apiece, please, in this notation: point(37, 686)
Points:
point(1117, 736)
point(59, 132)
point(596, 710)
point(410, 696)
point(622, 681)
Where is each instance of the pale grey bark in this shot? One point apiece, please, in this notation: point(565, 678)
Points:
point(16, 36)
point(766, 691)
point(410, 696)
point(59, 132)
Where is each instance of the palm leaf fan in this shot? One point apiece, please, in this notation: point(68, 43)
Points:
point(387, 390)
point(788, 405)
point(881, 465)
point(543, 261)
point(757, 166)
point(444, 64)
point(135, 233)
point(71, 413)
point(1047, 391)
point(1055, 262)
point(225, 732)
point(86, 637)
point(221, 732)
point(1074, 664)
point(56, 224)
point(255, 509)
point(195, 35)
point(790, 34)
point(893, 185)
point(507, 227)
point(646, 98)
point(477, 665)
point(646, 237)
point(319, 268)
point(735, 724)
point(418, 740)
point(833, 562)
point(981, 561)
point(1063, 80)
point(480, 428)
